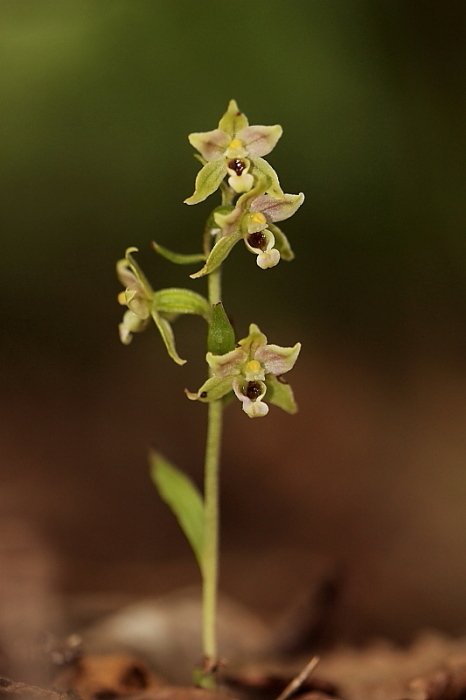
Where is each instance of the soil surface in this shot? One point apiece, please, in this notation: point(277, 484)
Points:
point(147, 637)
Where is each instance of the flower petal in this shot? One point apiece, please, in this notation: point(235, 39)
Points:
point(260, 168)
point(214, 388)
point(268, 258)
point(210, 144)
point(229, 364)
point(241, 183)
point(253, 408)
point(277, 209)
point(277, 360)
point(207, 181)
point(130, 324)
point(260, 140)
point(139, 305)
point(233, 120)
point(228, 222)
point(265, 241)
point(280, 394)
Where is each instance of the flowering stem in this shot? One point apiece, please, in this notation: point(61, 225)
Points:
point(210, 561)
point(211, 515)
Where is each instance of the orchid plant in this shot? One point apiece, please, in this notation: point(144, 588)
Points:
point(251, 369)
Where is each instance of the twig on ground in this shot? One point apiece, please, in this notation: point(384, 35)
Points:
point(298, 680)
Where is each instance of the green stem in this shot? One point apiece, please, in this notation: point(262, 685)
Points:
point(211, 539)
point(211, 511)
point(211, 493)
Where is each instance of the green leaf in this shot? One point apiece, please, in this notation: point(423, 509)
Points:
point(177, 258)
point(181, 301)
point(208, 180)
point(280, 394)
point(221, 336)
point(218, 253)
point(281, 243)
point(183, 498)
point(168, 338)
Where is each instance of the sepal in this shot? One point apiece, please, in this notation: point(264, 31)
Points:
point(280, 394)
point(166, 331)
point(233, 120)
point(261, 167)
point(281, 243)
point(219, 252)
point(208, 180)
point(214, 388)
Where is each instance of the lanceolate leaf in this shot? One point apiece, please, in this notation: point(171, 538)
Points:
point(178, 258)
point(183, 498)
point(181, 301)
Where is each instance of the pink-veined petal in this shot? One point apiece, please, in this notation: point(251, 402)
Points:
point(210, 144)
point(277, 360)
point(228, 222)
point(227, 365)
point(260, 140)
point(277, 209)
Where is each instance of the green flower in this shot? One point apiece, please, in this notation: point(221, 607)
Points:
point(163, 306)
point(138, 297)
point(234, 149)
point(252, 219)
point(252, 370)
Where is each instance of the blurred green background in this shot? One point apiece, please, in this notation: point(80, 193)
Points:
point(97, 100)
